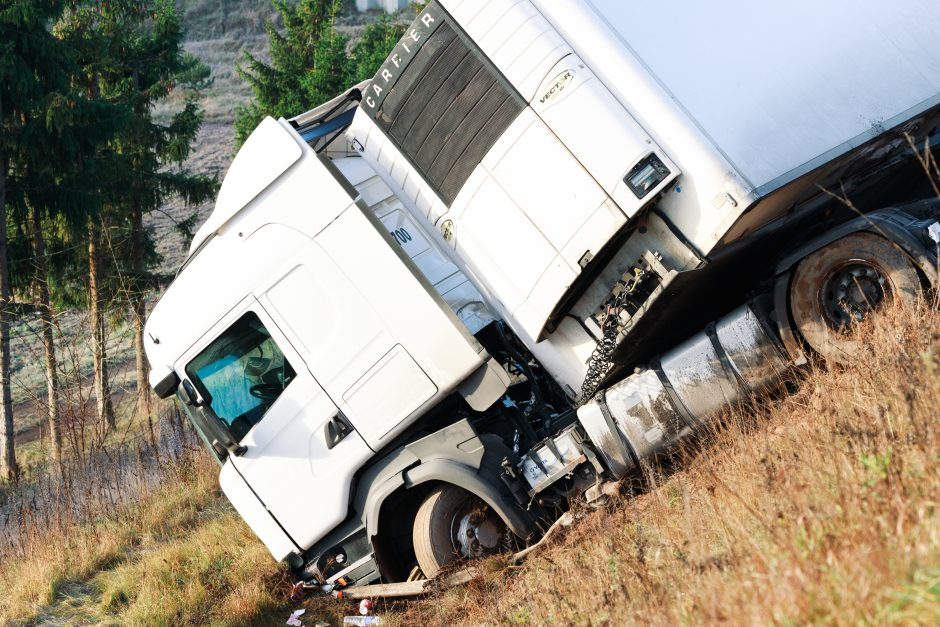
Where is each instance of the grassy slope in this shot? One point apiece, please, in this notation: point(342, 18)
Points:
point(817, 508)
point(820, 508)
point(181, 556)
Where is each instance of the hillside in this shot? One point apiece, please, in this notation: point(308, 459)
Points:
point(819, 507)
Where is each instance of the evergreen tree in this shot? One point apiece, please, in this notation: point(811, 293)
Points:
point(30, 59)
point(57, 130)
point(95, 33)
point(309, 64)
point(80, 157)
point(156, 64)
point(369, 53)
point(132, 57)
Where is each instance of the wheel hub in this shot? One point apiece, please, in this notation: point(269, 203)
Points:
point(851, 293)
point(478, 533)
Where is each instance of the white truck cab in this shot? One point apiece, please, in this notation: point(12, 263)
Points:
point(544, 245)
point(294, 314)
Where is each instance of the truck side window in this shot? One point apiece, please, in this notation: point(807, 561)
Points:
point(241, 374)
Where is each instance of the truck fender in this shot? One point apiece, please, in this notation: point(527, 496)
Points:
point(471, 481)
point(893, 224)
point(781, 316)
point(409, 468)
point(455, 473)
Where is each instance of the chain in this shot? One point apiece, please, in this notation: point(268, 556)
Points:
point(600, 362)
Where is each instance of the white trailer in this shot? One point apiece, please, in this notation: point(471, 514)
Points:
point(545, 244)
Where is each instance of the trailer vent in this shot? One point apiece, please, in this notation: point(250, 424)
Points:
point(441, 102)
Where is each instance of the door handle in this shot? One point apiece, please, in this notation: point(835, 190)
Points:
point(335, 430)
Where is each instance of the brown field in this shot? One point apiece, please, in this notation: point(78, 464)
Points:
point(820, 507)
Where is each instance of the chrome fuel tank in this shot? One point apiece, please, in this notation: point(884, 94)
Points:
point(636, 419)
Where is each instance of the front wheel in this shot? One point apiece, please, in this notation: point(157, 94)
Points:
point(452, 524)
point(841, 285)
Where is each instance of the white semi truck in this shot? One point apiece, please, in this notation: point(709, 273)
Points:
point(546, 243)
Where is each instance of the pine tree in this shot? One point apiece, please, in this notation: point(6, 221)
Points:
point(30, 61)
point(309, 64)
point(377, 41)
point(156, 65)
point(306, 64)
point(55, 130)
point(132, 58)
point(8, 466)
point(94, 33)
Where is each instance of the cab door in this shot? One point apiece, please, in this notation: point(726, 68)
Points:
point(300, 453)
point(379, 341)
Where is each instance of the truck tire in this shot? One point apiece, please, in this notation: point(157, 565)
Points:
point(452, 524)
point(840, 285)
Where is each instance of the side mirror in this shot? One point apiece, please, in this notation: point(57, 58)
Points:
point(220, 450)
point(188, 393)
point(229, 447)
point(215, 430)
point(235, 448)
point(218, 432)
point(164, 381)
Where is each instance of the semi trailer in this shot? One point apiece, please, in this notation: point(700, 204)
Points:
point(546, 244)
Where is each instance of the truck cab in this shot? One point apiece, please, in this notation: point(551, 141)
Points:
point(296, 344)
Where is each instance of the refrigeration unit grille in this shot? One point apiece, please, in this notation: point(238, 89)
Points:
point(442, 102)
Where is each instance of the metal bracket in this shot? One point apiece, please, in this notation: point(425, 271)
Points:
point(712, 332)
point(677, 404)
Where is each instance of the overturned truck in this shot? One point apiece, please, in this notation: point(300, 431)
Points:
point(545, 244)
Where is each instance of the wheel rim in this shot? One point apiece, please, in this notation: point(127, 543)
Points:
point(850, 293)
point(475, 531)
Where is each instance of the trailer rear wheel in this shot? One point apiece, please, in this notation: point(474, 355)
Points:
point(841, 285)
point(452, 524)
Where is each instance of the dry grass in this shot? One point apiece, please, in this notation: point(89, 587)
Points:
point(181, 556)
point(820, 508)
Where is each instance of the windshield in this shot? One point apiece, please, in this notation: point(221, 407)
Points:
point(241, 374)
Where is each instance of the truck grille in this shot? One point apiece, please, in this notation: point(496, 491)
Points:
point(441, 102)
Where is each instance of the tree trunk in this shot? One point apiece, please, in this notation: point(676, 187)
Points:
point(48, 335)
point(8, 466)
point(138, 293)
point(102, 386)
